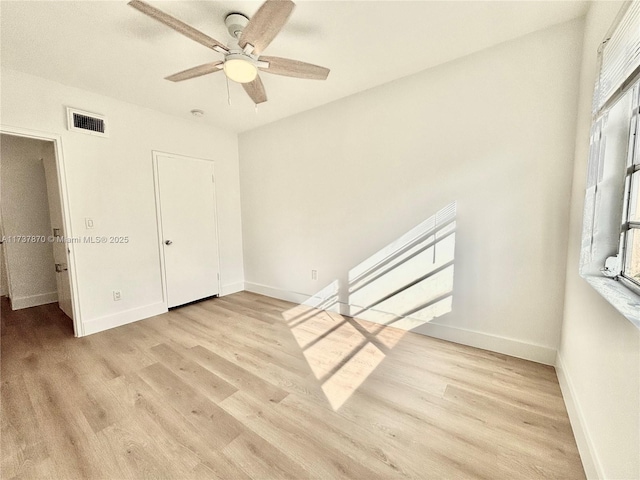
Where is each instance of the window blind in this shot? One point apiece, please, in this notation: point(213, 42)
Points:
point(620, 56)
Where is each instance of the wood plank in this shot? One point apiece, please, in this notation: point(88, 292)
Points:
point(303, 444)
point(253, 387)
point(202, 413)
point(72, 445)
point(22, 446)
point(146, 405)
point(195, 375)
point(260, 459)
point(240, 378)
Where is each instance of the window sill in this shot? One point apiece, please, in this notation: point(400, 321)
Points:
point(623, 299)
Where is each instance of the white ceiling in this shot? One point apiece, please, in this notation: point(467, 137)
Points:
point(109, 48)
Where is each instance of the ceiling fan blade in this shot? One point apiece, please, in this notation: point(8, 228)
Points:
point(294, 68)
point(196, 72)
point(265, 24)
point(176, 24)
point(256, 91)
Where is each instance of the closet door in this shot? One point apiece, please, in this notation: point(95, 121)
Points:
point(188, 226)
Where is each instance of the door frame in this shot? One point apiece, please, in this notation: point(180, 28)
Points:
point(4, 256)
point(156, 187)
point(78, 330)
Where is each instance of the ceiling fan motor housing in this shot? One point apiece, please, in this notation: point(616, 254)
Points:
point(236, 22)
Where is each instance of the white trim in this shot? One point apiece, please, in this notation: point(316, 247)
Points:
point(232, 288)
point(494, 343)
point(278, 293)
point(5, 257)
point(156, 189)
point(78, 327)
point(590, 462)
point(33, 300)
point(122, 318)
point(215, 212)
point(617, 294)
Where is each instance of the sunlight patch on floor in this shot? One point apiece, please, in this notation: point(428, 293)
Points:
point(346, 329)
point(341, 385)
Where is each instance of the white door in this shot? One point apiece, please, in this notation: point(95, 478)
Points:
point(60, 252)
point(188, 227)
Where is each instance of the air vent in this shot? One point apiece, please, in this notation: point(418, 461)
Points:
point(86, 122)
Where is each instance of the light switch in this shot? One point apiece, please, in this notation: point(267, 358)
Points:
point(88, 222)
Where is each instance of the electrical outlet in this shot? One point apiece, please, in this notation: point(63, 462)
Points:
point(314, 274)
point(117, 295)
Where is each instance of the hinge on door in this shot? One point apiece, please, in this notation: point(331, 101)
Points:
point(213, 179)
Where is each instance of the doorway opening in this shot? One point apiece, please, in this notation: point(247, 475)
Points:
point(35, 256)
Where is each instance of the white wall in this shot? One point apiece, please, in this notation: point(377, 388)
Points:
point(493, 131)
point(25, 211)
point(599, 355)
point(111, 181)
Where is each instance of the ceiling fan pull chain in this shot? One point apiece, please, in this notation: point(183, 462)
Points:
point(228, 92)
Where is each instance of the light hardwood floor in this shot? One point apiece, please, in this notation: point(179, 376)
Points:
point(247, 386)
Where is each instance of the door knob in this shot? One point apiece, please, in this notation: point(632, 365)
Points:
point(168, 242)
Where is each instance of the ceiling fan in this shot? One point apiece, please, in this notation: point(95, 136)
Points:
point(243, 54)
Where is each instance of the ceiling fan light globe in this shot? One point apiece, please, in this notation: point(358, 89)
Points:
point(240, 70)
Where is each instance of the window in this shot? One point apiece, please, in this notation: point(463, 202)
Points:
point(630, 237)
point(610, 254)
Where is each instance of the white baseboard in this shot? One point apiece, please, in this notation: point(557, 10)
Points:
point(232, 288)
point(592, 467)
point(277, 293)
point(122, 318)
point(494, 343)
point(33, 300)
